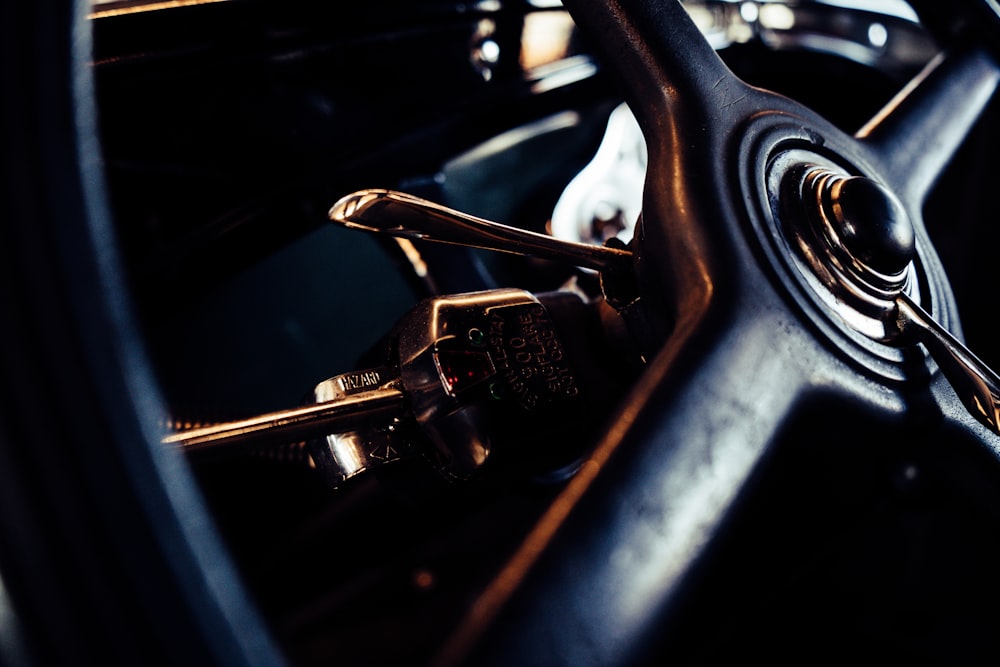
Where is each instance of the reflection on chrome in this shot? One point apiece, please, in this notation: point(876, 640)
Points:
point(106, 8)
point(884, 33)
point(605, 198)
point(872, 32)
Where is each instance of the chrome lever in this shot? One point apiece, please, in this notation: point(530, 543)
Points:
point(301, 423)
point(403, 215)
point(461, 371)
point(975, 383)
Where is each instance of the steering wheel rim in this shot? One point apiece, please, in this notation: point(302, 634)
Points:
point(612, 568)
point(109, 553)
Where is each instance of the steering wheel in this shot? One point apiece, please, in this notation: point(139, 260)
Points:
point(765, 353)
point(776, 362)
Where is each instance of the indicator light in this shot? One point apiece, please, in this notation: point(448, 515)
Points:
point(462, 369)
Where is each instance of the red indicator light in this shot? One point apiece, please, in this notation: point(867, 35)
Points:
point(462, 369)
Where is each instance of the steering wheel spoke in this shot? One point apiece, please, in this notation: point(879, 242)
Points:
point(661, 58)
point(919, 130)
point(670, 479)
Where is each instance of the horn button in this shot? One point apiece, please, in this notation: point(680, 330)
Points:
point(856, 239)
point(844, 248)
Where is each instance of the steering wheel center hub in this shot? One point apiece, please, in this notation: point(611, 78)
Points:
point(842, 246)
point(851, 240)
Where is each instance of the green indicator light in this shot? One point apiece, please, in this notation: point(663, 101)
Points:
point(476, 336)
